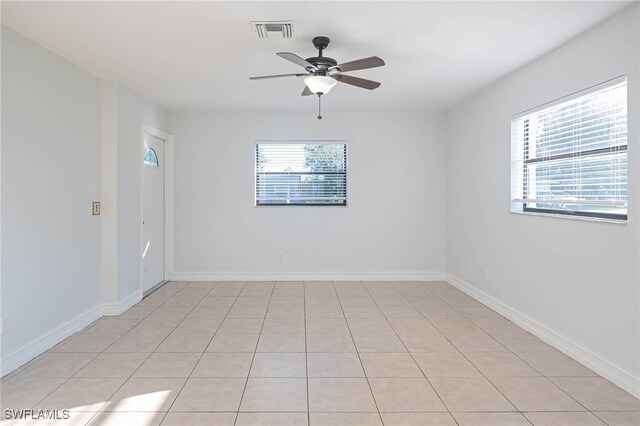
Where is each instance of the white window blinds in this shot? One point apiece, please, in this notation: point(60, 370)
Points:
point(570, 157)
point(301, 173)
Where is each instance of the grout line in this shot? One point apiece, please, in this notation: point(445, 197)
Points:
point(356, 348)
point(97, 353)
point(405, 347)
point(201, 355)
point(509, 350)
point(306, 349)
point(246, 382)
point(149, 356)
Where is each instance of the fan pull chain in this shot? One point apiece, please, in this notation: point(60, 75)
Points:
point(319, 106)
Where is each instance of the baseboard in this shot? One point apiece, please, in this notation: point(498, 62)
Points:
point(605, 369)
point(115, 309)
point(307, 276)
point(48, 340)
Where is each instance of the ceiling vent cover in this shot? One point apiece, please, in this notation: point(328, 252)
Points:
point(272, 29)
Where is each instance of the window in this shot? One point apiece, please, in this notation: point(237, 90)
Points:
point(570, 157)
point(150, 158)
point(301, 173)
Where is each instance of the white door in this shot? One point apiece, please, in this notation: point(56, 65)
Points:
point(153, 212)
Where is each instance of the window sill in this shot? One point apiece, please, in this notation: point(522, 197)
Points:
point(572, 217)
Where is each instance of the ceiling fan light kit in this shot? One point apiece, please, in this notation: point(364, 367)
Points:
point(324, 73)
point(320, 84)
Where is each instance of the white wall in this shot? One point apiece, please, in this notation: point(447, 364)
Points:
point(394, 222)
point(578, 280)
point(50, 176)
point(68, 139)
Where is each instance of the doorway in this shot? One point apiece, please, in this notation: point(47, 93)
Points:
point(153, 212)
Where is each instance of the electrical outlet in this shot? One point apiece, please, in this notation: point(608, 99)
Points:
point(486, 275)
point(95, 208)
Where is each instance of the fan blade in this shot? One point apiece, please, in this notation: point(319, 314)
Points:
point(356, 81)
point(296, 60)
point(306, 91)
point(264, 77)
point(361, 64)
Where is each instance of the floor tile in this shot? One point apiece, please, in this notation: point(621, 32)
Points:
point(58, 365)
point(231, 364)
point(280, 395)
point(113, 365)
point(340, 395)
point(279, 365)
point(500, 364)
point(418, 419)
point(491, 419)
point(199, 326)
point(247, 312)
point(233, 343)
point(281, 343)
point(209, 312)
point(390, 365)
point(475, 342)
point(111, 418)
point(252, 301)
point(405, 395)
point(366, 326)
point(345, 419)
point(564, 419)
point(272, 419)
point(168, 365)
point(280, 325)
point(597, 394)
point(111, 327)
point(138, 342)
point(426, 343)
point(535, 394)
point(334, 365)
point(82, 394)
point(199, 419)
point(412, 326)
point(445, 364)
point(470, 395)
point(185, 342)
point(326, 325)
point(323, 312)
point(620, 418)
point(145, 394)
point(210, 394)
point(231, 325)
point(217, 301)
point(361, 311)
point(317, 342)
point(379, 342)
point(85, 343)
point(25, 392)
point(521, 341)
point(555, 363)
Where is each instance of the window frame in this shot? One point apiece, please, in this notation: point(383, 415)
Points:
point(305, 142)
point(586, 215)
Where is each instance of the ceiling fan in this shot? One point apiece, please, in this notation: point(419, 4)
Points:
point(322, 73)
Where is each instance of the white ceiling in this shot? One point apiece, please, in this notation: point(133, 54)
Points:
point(192, 55)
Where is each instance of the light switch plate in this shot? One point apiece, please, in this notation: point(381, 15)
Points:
point(95, 208)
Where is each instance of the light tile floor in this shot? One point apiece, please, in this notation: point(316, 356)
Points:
point(313, 353)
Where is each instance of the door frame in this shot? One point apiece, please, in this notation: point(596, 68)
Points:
point(168, 203)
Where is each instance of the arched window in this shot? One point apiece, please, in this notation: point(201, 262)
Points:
point(150, 158)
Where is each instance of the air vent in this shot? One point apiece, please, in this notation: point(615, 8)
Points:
point(266, 30)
